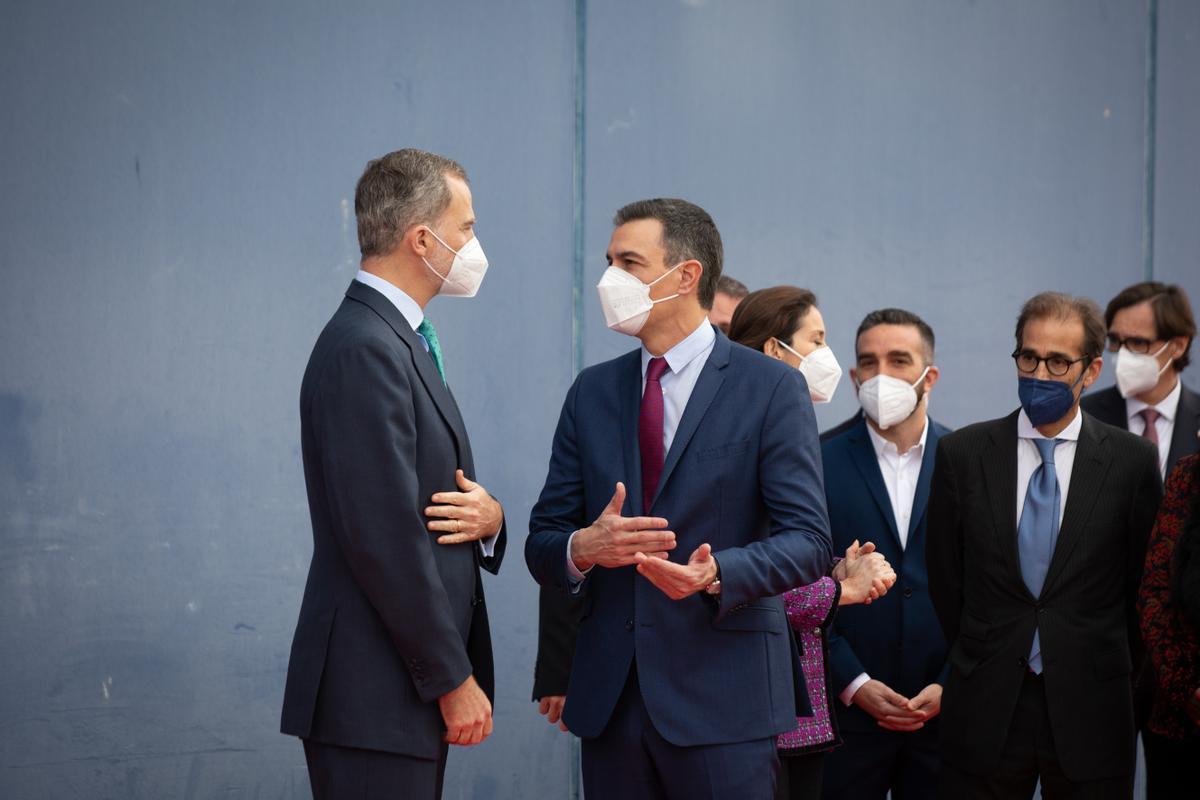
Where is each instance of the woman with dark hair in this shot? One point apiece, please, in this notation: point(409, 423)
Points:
point(1169, 603)
point(783, 322)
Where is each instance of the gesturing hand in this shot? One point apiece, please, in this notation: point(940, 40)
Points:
point(864, 574)
point(678, 581)
point(467, 516)
point(615, 541)
point(467, 713)
point(551, 707)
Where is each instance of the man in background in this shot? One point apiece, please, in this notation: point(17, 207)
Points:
point(730, 292)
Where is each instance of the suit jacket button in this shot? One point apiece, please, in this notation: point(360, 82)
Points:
point(908, 591)
point(628, 624)
point(476, 601)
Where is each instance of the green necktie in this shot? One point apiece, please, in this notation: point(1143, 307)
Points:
point(426, 331)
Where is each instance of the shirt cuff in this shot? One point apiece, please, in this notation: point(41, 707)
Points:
point(488, 545)
point(575, 577)
point(847, 695)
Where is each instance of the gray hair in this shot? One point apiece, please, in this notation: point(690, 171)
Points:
point(399, 190)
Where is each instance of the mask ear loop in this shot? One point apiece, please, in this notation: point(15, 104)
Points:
point(659, 278)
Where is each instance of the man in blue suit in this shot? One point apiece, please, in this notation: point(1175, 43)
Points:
point(685, 669)
point(886, 659)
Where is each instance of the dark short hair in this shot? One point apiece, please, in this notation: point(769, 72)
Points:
point(1056, 305)
point(688, 233)
point(1172, 312)
point(732, 287)
point(897, 316)
point(399, 190)
point(770, 313)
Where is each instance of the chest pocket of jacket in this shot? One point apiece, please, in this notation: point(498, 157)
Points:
point(723, 451)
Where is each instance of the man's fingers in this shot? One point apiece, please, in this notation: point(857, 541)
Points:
point(487, 727)
point(459, 538)
point(446, 507)
point(869, 547)
point(902, 727)
point(618, 500)
point(639, 524)
point(465, 483)
point(544, 706)
point(450, 498)
point(701, 553)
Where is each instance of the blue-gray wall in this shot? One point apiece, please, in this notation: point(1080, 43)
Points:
point(176, 224)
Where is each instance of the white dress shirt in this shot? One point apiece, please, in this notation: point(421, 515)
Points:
point(685, 362)
point(900, 474)
point(1165, 424)
point(413, 315)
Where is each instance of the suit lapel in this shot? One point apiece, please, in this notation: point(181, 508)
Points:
point(712, 375)
point(630, 397)
point(999, 467)
point(421, 360)
point(1187, 427)
point(862, 453)
point(1087, 479)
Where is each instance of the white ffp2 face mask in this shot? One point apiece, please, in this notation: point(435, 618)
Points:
point(626, 301)
point(889, 400)
point(821, 369)
point(1139, 372)
point(466, 271)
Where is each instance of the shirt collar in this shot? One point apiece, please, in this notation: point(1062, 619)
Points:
point(407, 307)
point(1165, 407)
point(882, 445)
point(1025, 429)
point(683, 353)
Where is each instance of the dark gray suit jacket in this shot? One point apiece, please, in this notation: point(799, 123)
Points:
point(390, 620)
point(1086, 611)
point(1108, 406)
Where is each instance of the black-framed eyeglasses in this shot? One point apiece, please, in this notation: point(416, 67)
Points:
point(1057, 366)
point(1134, 344)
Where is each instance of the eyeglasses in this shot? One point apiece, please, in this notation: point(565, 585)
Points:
point(1057, 366)
point(1134, 344)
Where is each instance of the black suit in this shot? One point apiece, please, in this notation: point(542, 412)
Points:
point(1085, 613)
point(1108, 406)
point(390, 620)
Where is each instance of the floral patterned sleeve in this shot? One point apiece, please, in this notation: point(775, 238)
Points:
point(1171, 641)
point(812, 606)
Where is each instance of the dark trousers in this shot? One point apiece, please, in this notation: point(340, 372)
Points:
point(1029, 755)
point(1170, 766)
point(347, 773)
point(800, 777)
point(869, 765)
point(630, 760)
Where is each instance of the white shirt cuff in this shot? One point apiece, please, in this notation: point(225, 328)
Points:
point(488, 545)
point(575, 577)
point(847, 695)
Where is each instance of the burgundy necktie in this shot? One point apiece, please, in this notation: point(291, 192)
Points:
point(650, 431)
point(1151, 416)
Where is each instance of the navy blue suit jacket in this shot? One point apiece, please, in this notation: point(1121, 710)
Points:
point(896, 639)
point(744, 474)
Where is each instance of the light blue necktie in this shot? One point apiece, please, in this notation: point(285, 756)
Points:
point(1038, 530)
point(429, 338)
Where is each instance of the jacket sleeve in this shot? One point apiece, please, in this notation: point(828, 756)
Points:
point(363, 419)
point(798, 550)
point(943, 545)
point(812, 605)
point(559, 510)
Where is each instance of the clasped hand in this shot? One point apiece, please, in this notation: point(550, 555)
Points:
point(467, 515)
point(616, 541)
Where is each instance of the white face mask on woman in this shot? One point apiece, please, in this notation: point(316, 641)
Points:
point(466, 272)
point(821, 369)
point(889, 401)
point(626, 300)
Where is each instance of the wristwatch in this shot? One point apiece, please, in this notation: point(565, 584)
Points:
point(715, 586)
